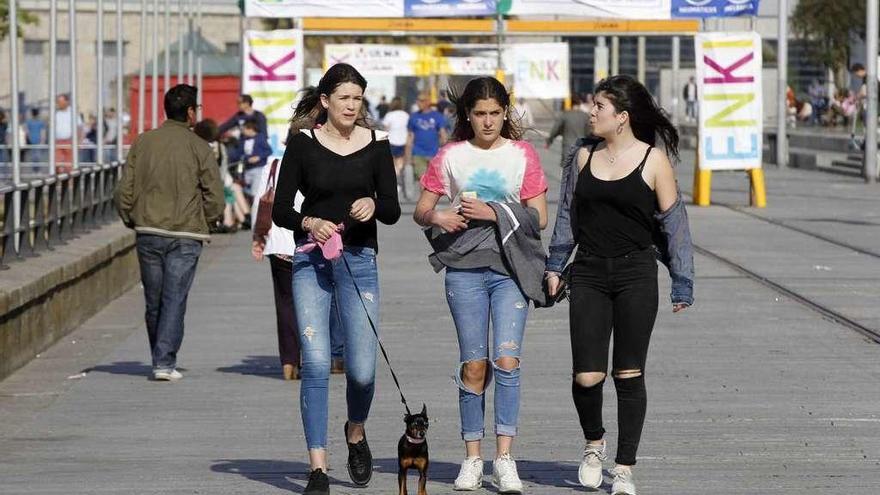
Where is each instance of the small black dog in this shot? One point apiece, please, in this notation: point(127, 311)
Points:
point(412, 450)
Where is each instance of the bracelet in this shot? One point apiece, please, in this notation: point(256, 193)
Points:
point(307, 224)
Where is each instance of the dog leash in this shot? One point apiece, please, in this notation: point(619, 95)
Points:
point(376, 333)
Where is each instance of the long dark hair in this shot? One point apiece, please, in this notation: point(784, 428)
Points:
point(647, 119)
point(309, 108)
point(482, 88)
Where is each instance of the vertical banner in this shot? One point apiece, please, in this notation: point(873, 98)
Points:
point(540, 70)
point(273, 75)
point(730, 103)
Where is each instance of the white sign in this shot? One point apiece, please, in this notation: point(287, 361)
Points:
point(323, 8)
point(387, 60)
point(618, 9)
point(539, 70)
point(273, 75)
point(729, 94)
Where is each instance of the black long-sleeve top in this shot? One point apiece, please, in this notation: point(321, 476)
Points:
point(330, 184)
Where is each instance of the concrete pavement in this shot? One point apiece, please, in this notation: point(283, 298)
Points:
point(749, 392)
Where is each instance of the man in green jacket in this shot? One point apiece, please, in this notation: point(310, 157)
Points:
point(170, 192)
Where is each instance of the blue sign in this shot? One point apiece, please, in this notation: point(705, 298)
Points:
point(449, 8)
point(713, 8)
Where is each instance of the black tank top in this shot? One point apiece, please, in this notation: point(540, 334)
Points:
point(614, 217)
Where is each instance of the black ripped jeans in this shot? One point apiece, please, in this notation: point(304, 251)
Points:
point(613, 296)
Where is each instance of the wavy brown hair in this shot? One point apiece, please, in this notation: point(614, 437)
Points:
point(482, 88)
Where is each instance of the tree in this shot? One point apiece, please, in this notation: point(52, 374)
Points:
point(830, 26)
point(24, 17)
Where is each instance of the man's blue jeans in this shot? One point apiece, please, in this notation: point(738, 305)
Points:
point(316, 282)
point(475, 297)
point(168, 266)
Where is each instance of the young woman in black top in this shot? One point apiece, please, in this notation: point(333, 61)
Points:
point(346, 174)
point(622, 181)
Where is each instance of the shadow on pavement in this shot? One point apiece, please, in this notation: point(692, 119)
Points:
point(133, 368)
point(286, 475)
point(266, 366)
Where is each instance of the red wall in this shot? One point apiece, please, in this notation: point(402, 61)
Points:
point(219, 99)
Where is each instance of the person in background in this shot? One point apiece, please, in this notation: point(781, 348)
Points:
point(253, 151)
point(233, 213)
point(689, 93)
point(110, 135)
point(572, 125)
point(65, 133)
point(246, 111)
point(395, 122)
point(382, 108)
point(170, 193)
point(428, 130)
point(35, 131)
point(4, 130)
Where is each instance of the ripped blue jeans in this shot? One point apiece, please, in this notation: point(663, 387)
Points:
point(476, 297)
point(316, 283)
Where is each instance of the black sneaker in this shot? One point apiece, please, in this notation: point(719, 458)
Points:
point(319, 483)
point(360, 460)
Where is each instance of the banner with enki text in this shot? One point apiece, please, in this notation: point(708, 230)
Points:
point(730, 102)
point(273, 75)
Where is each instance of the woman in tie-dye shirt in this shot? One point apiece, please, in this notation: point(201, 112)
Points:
point(485, 162)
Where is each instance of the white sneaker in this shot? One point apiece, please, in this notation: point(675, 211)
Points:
point(470, 477)
point(504, 475)
point(590, 470)
point(167, 375)
point(623, 481)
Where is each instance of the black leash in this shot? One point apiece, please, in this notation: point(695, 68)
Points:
point(376, 333)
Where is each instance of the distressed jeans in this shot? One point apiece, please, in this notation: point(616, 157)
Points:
point(316, 282)
point(476, 297)
point(168, 267)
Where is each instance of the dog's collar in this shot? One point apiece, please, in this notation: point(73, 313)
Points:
point(414, 440)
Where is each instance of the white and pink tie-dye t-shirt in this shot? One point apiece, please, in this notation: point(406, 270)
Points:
point(510, 173)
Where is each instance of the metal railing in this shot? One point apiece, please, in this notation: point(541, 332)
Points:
point(55, 210)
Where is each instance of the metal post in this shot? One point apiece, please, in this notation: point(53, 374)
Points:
point(871, 117)
point(641, 60)
point(190, 67)
point(16, 146)
point(119, 76)
point(782, 84)
point(99, 130)
point(53, 70)
point(74, 111)
point(154, 50)
point(167, 35)
point(499, 40)
point(120, 151)
point(181, 41)
point(615, 55)
point(198, 84)
point(142, 76)
point(676, 63)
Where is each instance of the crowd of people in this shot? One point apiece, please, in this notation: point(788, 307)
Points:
point(619, 212)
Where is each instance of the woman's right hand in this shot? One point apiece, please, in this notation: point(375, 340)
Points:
point(257, 249)
point(448, 220)
point(322, 230)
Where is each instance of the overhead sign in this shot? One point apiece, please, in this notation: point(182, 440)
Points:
point(323, 8)
point(405, 60)
point(730, 103)
point(273, 75)
point(713, 8)
point(618, 9)
point(449, 8)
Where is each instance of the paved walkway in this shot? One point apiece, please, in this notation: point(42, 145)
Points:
point(749, 391)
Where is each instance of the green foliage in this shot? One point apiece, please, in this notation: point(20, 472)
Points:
point(829, 26)
point(24, 17)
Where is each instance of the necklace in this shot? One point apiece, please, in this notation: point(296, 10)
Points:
point(612, 158)
point(335, 135)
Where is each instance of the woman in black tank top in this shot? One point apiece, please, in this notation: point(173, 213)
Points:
point(622, 182)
